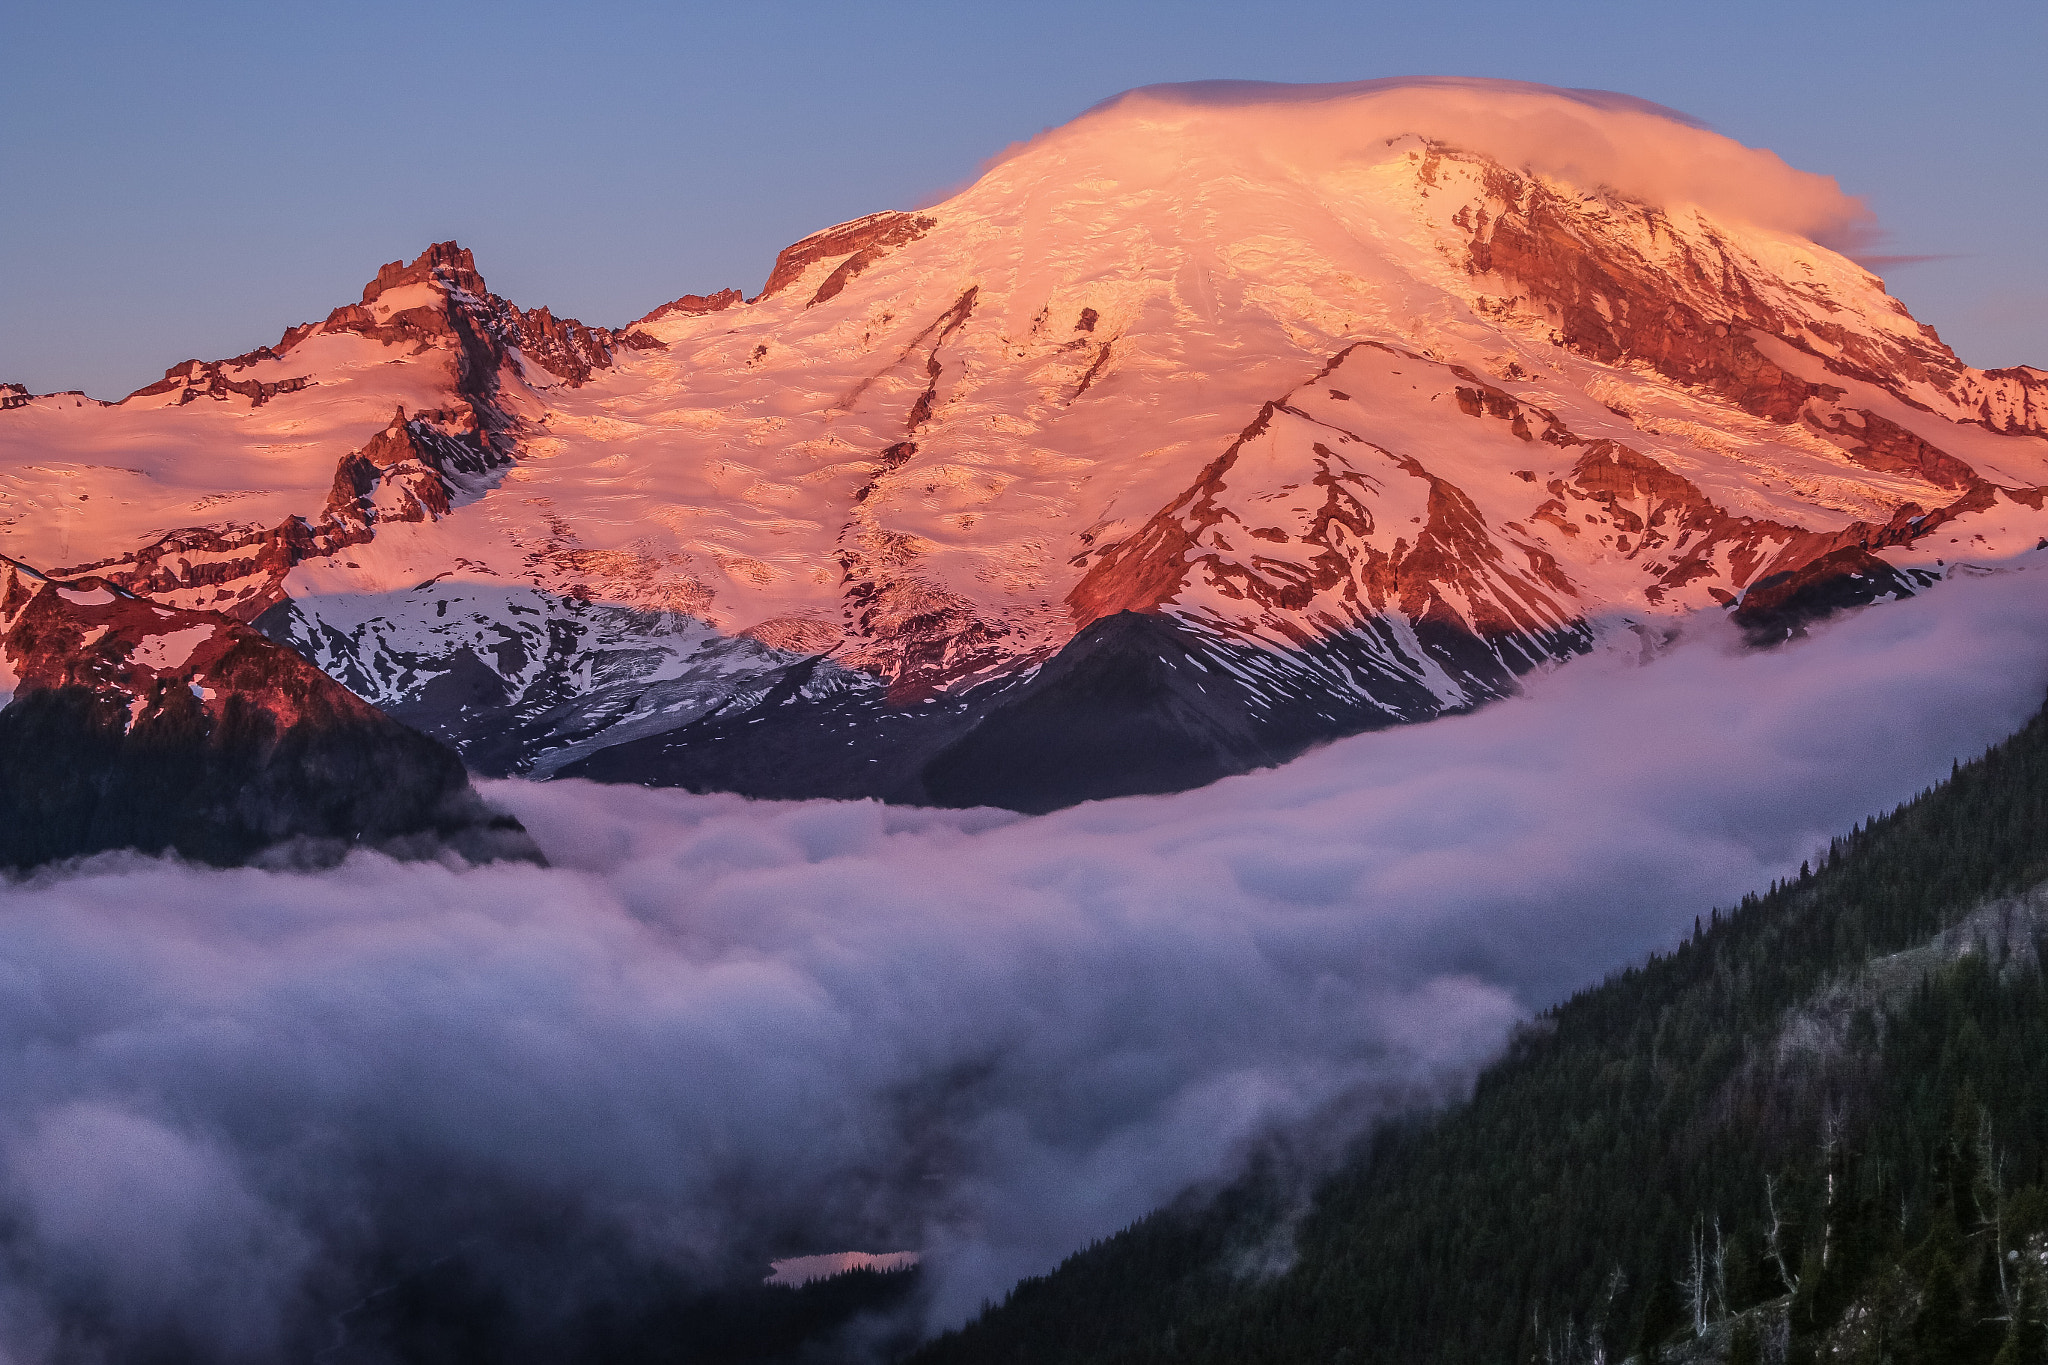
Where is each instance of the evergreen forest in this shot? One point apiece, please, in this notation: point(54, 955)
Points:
point(1815, 1131)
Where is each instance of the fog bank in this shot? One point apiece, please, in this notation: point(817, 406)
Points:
point(720, 1032)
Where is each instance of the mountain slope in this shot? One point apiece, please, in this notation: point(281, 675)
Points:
point(1836, 1089)
point(1391, 391)
point(124, 724)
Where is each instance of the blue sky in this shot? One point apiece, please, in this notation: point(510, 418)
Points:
point(186, 181)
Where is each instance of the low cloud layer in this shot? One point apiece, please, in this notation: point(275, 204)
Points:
point(719, 1032)
point(1588, 138)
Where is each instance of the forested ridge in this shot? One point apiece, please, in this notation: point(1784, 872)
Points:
point(1776, 1142)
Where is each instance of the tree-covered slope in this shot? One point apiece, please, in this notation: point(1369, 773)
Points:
point(1839, 1088)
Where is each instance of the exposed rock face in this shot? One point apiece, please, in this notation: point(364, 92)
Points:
point(468, 313)
point(1283, 536)
point(867, 238)
point(1624, 283)
point(194, 379)
point(1782, 604)
point(410, 471)
point(131, 725)
point(414, 470)
point(245, 564)
point(692, 305)
point(2011, 400)
point(444, 301)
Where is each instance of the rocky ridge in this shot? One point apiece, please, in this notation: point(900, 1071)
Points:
point(127, 724)
point(416, 469)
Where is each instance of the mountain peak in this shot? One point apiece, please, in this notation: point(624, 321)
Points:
point(1378, 396)
point(446, 261)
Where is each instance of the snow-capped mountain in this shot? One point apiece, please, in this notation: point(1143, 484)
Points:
point(1221, 420)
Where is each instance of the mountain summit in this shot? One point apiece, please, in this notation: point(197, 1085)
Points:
point(1221, 420)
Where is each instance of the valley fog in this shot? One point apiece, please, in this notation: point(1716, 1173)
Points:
point(717, 1032)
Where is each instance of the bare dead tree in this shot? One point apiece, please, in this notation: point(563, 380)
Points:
point(1696, 1282)
point(1991, 1179)
point(1555, 1351)
point(1720, 1271)
point(1774, 1241)
point(1831, 1136)
point(1596, 1327)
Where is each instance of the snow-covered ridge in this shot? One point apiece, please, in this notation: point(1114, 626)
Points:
point(128, 724)
point(402, 407)
point(1388, 392)
point(59, 632)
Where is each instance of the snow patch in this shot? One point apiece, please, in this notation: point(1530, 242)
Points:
point(161, 652)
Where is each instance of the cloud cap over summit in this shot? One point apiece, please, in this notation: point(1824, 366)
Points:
point(1592, 139)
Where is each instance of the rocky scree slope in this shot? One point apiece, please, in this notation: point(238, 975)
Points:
point(1234, 424)
point(128, 724)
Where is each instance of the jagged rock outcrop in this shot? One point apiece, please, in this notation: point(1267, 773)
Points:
point(416, 469)
point(1689, 302)
point(130, 725)
point(689, 305)
point(864, 239)
point(441, 297)
point(193, 379)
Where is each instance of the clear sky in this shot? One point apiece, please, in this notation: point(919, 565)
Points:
point(187, 180)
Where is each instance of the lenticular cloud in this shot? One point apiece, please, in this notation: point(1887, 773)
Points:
point(718, 1032)
point(1585, 137)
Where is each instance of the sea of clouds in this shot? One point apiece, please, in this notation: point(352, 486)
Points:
point(719, 1032)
